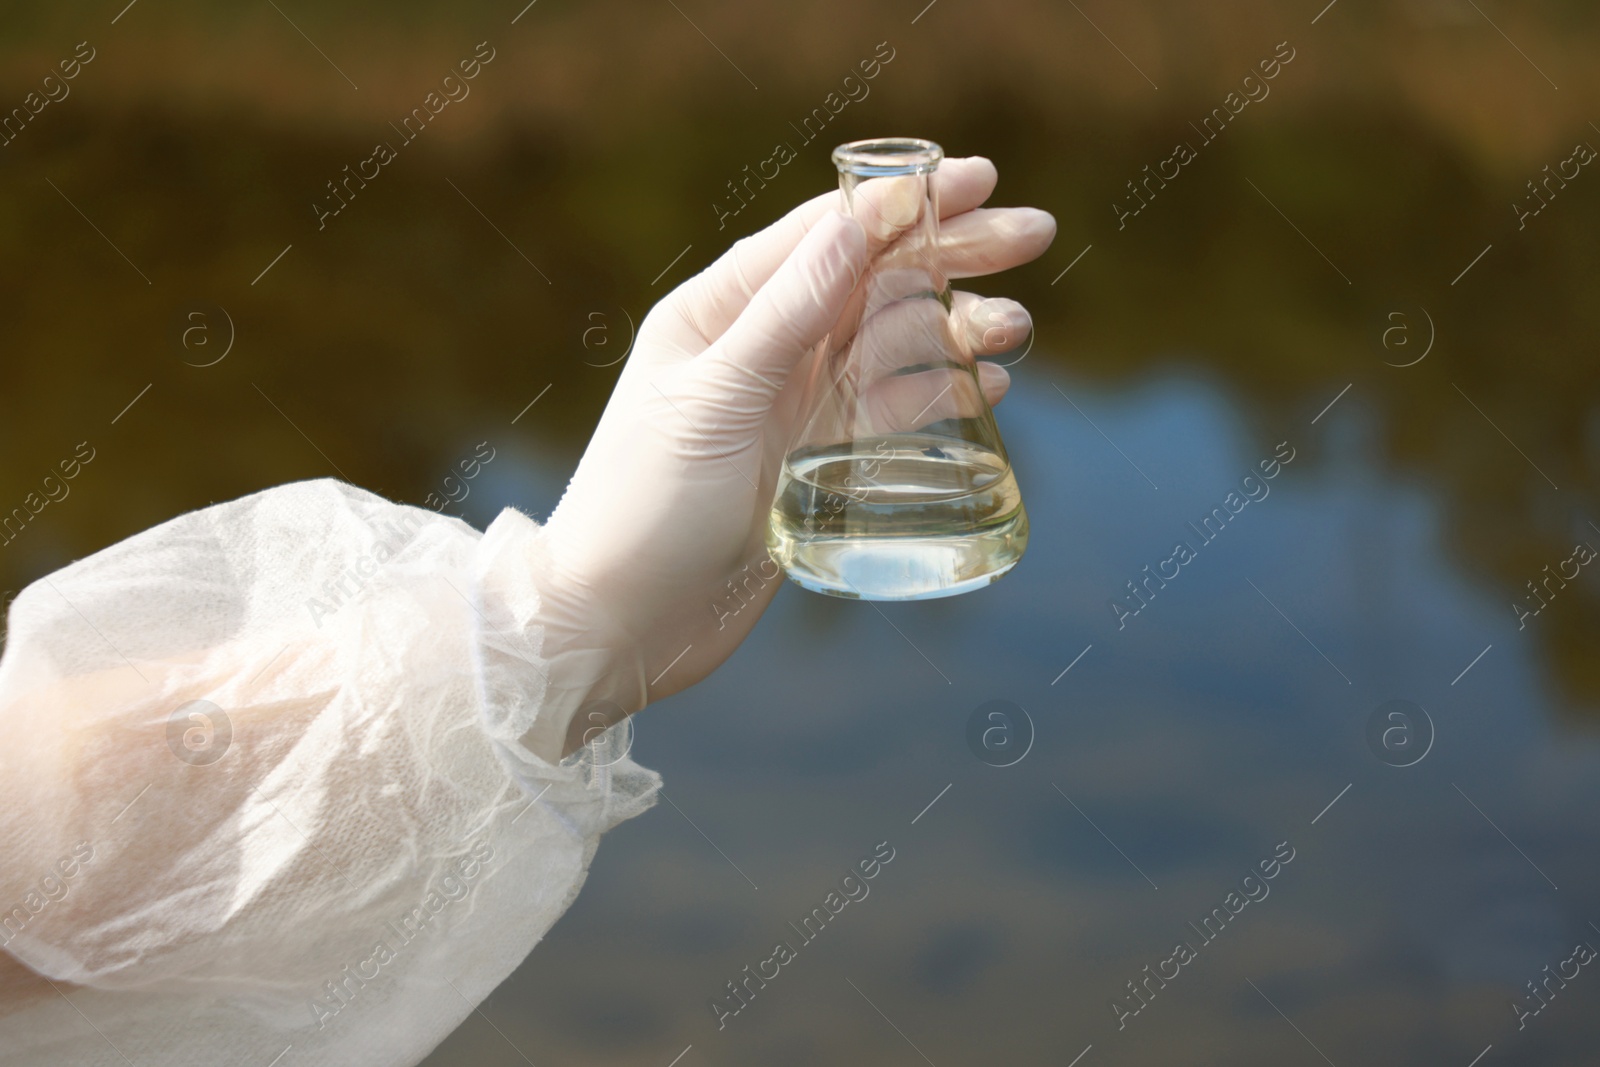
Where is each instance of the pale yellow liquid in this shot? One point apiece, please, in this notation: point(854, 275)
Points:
point(907, 517)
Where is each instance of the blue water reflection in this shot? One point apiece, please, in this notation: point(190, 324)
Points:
point(1185, 746)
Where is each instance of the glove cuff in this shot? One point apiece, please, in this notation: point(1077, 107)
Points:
point(567, 678)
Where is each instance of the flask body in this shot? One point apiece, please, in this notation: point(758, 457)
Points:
point(896, 485)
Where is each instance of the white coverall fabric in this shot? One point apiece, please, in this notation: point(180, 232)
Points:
point(376, 848)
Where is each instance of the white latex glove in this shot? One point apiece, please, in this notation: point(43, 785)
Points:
point(659, 539)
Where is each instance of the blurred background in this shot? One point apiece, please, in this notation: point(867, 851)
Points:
point(1357, 265)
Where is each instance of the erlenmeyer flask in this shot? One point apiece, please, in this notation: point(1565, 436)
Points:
point(896, 485)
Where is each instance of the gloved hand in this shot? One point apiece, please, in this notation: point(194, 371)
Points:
point(655, 565)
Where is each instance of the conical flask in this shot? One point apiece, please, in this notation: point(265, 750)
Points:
point(896, 485)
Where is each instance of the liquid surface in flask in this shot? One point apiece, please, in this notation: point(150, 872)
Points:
point(903, 517)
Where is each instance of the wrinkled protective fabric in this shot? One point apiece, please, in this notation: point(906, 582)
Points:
point(361, 833)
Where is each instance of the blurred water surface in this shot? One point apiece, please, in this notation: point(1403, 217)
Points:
point(1308, 256)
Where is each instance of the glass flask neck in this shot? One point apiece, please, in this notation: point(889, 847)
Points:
point(888, 187)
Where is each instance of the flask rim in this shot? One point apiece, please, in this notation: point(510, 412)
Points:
point(881, 157)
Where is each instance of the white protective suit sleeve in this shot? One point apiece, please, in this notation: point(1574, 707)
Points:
point(346, 846)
